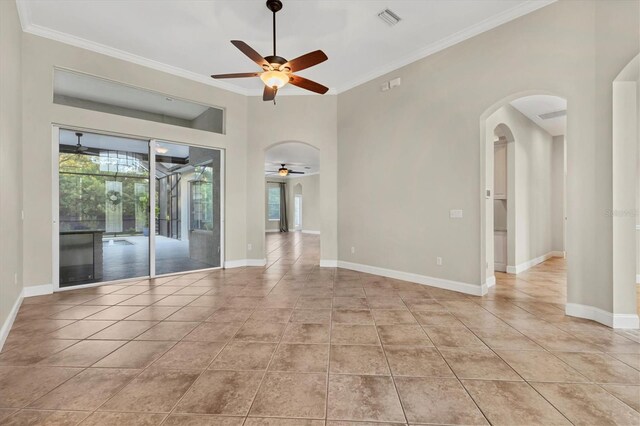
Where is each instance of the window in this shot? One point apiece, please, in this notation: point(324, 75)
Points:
point(273, 203)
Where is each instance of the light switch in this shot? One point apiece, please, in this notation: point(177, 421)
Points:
point(455, 214)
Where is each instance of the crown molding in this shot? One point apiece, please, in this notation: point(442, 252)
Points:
point(460, 36)
point(515, 12)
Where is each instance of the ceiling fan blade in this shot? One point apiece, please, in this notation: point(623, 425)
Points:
point(308, 84)
point(269, 93)
point(252, 54)
point(296, 173)
point(237, 75)
point(306, 61)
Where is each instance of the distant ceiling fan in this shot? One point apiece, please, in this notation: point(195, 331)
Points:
point(78, 148)
point(277, 70)
point(283, 171)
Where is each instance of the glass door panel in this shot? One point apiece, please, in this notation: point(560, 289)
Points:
point(103, 208)
point(187, 210)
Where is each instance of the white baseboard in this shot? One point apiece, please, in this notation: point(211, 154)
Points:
point(37, 290)
point(474, 289)
point(241, 263)
point(326, 263)
point(491, 281)
point(533, 262)
point(308, 231)
point(559, 254)
point(8, 323)
point(602, 316)
point(272, 230)
point(500, 267)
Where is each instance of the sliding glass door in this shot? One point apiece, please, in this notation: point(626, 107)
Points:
point(187, 208)
point(106, 185)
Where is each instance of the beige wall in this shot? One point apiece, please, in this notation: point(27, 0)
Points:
point(430, 129)
point(40, 56)
point(310, 202)
point(10, 161)
point(307, 119)
point(558, 194)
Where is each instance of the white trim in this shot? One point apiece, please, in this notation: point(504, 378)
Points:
point(271, 230)
point(486, 25)
point(603, 317)
point(241, 263)
point(491, 281)
point(474, 289)
point(309, 231)
point(559, 253)
point(55, 206)
point(8, 323)
point(500, 267)
point(533, 262)
point(37, 290)
point(637, 278)
point(328, 263)
point(151, 187)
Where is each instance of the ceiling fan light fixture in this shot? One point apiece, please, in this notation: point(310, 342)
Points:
point(283, 171)
point(161, 150)
point(274, 78)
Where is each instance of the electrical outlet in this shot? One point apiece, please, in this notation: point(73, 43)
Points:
point(249, 247)
point(439, 261)
point(353, 250)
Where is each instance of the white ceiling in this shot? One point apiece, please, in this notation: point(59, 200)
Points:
point(191, 38)
point(536, 105)
point(295, 155)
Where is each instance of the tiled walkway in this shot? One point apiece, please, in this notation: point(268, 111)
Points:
point(255, 347)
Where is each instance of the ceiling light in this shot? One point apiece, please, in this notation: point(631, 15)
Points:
point(274, 78)
point(389, 17)
point(283, 171)
point(161, 150)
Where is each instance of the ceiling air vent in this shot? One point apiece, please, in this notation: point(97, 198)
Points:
point(389, 17)
point(554, 114)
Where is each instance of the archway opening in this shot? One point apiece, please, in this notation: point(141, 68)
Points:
point(524, 203)
point(292, 174)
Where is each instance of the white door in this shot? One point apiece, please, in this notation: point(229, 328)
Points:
point(297, 213)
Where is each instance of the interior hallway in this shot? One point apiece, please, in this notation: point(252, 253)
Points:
point(255, 346)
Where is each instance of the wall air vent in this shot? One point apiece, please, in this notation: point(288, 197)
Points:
point(389, 17)
point(554, 114)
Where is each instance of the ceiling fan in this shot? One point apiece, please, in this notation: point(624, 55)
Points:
point(283, 171)
point(78, 148)
point(277, 71)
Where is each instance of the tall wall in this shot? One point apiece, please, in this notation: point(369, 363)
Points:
point(430, 129)
point(40, 57)
point(306, 119)
point(557, 204)
point(10, 163)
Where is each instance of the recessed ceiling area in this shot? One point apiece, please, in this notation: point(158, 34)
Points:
point(191, 38)
point(548, 112)
point(295, 155)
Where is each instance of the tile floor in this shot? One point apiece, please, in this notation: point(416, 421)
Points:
point(293, 344)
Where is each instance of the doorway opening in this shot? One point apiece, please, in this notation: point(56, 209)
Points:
point(525, 170)
point(297, 212)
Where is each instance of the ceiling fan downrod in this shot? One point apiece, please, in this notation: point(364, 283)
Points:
point(274, 6)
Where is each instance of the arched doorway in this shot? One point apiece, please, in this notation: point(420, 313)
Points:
point(523, 185)
point(291, 169)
